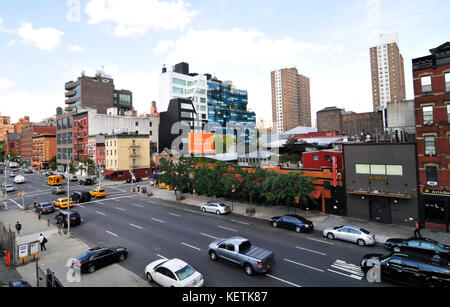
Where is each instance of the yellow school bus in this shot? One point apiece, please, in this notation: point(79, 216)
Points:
point(55, 180)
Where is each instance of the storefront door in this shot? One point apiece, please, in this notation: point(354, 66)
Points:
point(380, 210)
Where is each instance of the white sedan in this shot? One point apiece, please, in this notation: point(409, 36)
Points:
point(19, 179)
point(216, 208)
point(173, 273)
point(10, 188)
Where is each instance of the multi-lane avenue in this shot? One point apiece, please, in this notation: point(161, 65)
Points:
point(151, 229)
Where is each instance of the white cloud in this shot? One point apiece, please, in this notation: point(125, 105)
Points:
point(163, 46)
point(136, 17)
point(44, 38)
point(5, 84)
point(11, 43)
point(75, 48)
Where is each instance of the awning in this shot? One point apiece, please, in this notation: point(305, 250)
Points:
point(316, 194)
point(381, 194)
point(107, 173)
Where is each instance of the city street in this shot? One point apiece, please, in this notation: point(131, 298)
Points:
point(152, 228)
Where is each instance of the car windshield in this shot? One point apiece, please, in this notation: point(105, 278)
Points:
point(46, 205)
point(338, 227)
point(222, 205)
point(185, 272)
point(365, 231)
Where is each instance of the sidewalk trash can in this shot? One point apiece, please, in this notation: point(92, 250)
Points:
point(144, 190)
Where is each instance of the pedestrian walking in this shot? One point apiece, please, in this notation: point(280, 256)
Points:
point(417, 230)
point(5, 205)
point(18, 228)
point(34, 202)
point(43, 240)
point(138, 188)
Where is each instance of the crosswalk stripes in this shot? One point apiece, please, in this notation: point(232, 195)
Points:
point(341, 267)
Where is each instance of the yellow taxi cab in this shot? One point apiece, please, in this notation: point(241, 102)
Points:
point(99, 192)
point(55, 180)
point(62, 203)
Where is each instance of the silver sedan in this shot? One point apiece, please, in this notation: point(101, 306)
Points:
point(350, 233)
point(216, 208)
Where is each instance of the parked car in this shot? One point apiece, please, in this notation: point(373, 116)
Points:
point(136, 179)
point(62, 203)
point(350, 233)
point(216, 208)
point(58, 190)
point(44, 208)
point(293, 222)
point(81, 197)
point(10, 188)
point(98, 193)
point(173, 273)
point(407, 269)
point(240, 252)
point(95, 258)
point(86, 181)
point(61, 218)
point(12, 174)
point(28, 171)
point(19, 179)
point(14, 284)
point(73, 178)
point(420, 246)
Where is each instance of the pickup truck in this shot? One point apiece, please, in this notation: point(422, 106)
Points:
point(239, 251)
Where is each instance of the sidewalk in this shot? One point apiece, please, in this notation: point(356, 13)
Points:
point(59, 250)
point(320, 220)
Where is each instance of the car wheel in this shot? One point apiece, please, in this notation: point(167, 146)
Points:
point(218, 212)
point(122, 257)
point(149, 277)
point(213, 256)
point(204, 210)
point(330, 236)
point(361, 242)
point(91, 269)
point(248, 269)
point(298, 229)
point(274, 224)
point(397, 249)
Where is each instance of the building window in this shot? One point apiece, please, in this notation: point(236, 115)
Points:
point(430, 145)
point(362, 168)
point(316, 158)
point(427, 115)
point(327, 158)
point(376, 169)
point(432, 175)
point(426, 84)
point(447, 82)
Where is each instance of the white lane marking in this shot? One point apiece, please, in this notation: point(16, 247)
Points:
point(304, 265)
point(107, 199)
point(350, 276)
point(227, 228)
point(173, 214)
point(112, 233)
point(240, 222)
point(100, 213)
point(191, 246)
point(121, 209)
point(347, 267)
point(80, 206)
point(321, 241)
point(17, 204)
point(204, 234)
point(158, 220)
point(138, 227)
point(290, 283)
point(136, 205)
point(310, 250)
point(161, 256)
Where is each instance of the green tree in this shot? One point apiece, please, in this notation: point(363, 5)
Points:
point(53, 164)
point(73, 167)
point(88, 166)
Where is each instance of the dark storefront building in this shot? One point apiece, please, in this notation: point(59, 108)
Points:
point(432, 104)
point(179, 110)
point(381, 182)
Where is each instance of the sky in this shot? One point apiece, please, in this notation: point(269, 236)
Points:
point(46, 43)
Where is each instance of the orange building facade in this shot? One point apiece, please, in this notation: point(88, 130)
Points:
point(44, 149)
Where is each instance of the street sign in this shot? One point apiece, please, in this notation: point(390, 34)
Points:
point(34, 248)
point(23, 251)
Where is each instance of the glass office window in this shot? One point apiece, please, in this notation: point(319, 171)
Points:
point(394, 170)
point(362, 168)
point(377, 169)
point(179, 81)
point(178, 90)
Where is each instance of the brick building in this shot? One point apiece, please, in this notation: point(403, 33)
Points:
point(13, 143)
point(44, 149)
point(22, 123)
point(432, 110)
point(80, 136)
point(5, 127)
point(26, 140)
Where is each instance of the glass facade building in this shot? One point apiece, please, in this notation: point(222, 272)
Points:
point(227, 106)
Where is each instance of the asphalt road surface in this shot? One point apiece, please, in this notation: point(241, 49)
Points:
point(152, 229)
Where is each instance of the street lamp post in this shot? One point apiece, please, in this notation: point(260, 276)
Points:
point(68, 191)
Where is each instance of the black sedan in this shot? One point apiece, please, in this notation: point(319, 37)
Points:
point(293, 222)
point(98, 257)
point(419, 246)
point(14, 284)
point(86, 181)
